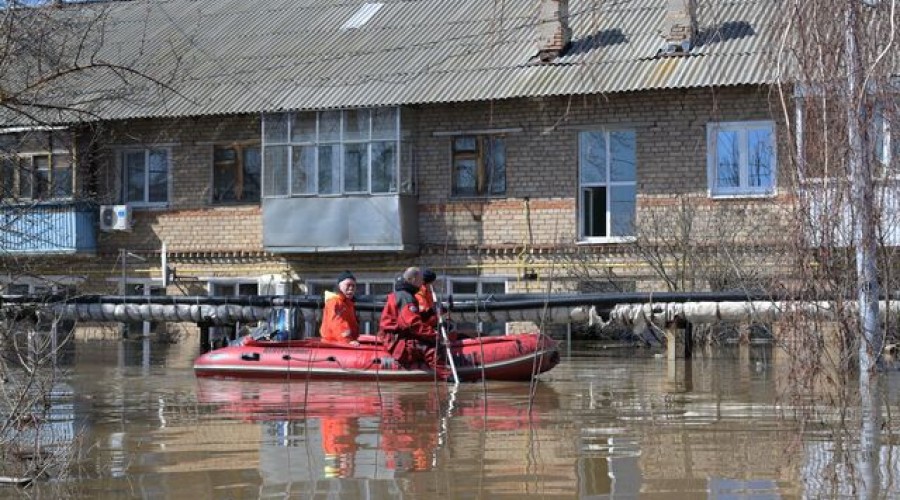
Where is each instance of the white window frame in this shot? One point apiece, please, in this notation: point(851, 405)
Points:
point(888, 157)
point(123, 187)
point(51, 152)
point(55, 284)
point(743, 190)
point(341, 142)
point(608, 184)
point(479, 290)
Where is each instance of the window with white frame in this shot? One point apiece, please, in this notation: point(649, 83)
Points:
point(479, 166)
point(145, 176)
point(607, 166)
point(354, 151)
point(37, 165)
point(480, 287)
point(741, 158)
point(885, 143)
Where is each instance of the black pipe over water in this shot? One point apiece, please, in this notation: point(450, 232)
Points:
point(604, 302)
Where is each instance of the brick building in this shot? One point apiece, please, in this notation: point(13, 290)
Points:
point(523, 147)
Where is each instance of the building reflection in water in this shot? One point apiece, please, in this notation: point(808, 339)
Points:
point(599, 428)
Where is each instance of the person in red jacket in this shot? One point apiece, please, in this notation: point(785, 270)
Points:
point(426, 299)
point(407, 336)
point(339, 323)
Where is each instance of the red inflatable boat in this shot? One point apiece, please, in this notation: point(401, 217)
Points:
point(508, 357)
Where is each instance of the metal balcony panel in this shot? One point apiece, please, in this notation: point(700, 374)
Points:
point(48, 229)
point(379, 223)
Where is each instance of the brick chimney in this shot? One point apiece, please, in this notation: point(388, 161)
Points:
point(679, 27)
point(552, 30)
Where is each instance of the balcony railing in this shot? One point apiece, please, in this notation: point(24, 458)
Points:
point(48, 228)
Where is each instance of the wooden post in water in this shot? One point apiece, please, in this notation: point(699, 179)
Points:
point(679, 339)
point(204, 337)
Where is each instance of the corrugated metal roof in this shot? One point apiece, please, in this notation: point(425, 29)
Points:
point(234, 56)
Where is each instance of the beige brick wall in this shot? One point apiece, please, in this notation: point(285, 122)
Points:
point(533, 229)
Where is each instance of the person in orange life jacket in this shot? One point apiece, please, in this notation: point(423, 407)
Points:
point(339, 444)
point(425, 299)
point(407, 336)
point(339, 323)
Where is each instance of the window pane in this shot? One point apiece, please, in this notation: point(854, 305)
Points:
point(8, 165)
point(495, 157)
point(384, 167)
point(593, 212)
point(465, 143)
point(135, 181)
point(592, 157)
point(303, 128)
point(380, 289)
point(276, 171)
point(224, 154)
point(464, 178)
point(225, 175)
point(252, 174)
point(727, 159)
point(159, 176)
point(384, 124)
point(356, 173)
point(623, 159)
point(356, 124)
point(62, 182)
point(41, 165)
point(248, 289)
point(25, 178)
point(621, 210)
point(467, 287)
point(760, 157)
point(276, 128)
point(329, 169)
point(329, 126)
point(493, 287)
point(303, 173)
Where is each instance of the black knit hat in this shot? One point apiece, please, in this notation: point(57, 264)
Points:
point(345, 275)
point(428, 276)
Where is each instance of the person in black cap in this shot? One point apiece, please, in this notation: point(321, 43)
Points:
point(425, 298)
point(339, 323)
point(409, 339)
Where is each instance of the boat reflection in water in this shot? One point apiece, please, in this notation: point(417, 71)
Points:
point(367, 430)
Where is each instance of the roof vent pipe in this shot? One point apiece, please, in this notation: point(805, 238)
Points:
point(552, 30)
point(679, 27)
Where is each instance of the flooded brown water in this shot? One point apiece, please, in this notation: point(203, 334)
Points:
point(599, 425)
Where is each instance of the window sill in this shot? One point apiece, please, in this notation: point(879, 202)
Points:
point(739, 196)
point(330, 195)
point(149, 207)
point(466, 199)
point(606, 240)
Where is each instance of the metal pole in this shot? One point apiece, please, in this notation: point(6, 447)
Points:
point(123, 260)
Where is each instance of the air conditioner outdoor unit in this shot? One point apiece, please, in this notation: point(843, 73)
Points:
point(115, 218)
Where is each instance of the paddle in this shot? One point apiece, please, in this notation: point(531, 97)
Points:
point(442, 327)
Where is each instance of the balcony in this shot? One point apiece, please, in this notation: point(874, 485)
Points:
point(383, 223)
point(48, 228)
